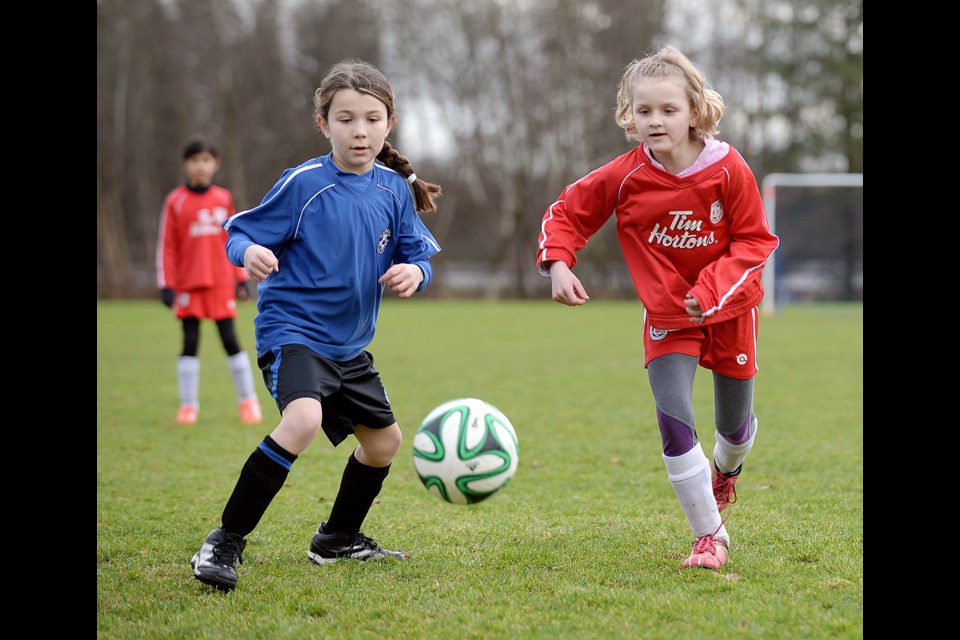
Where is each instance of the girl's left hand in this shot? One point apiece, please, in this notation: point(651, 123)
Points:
point(403, 278)
point(693, 309)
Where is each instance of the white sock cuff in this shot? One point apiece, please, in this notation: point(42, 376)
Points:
point(686, 466)
point(737, 449)
point(189, 364)
point(238, 358)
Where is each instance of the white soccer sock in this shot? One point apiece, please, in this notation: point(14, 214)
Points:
point(242, 376)
point(728, 456)
point(690, 476)
point(188, 373)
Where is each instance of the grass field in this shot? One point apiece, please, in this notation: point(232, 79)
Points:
point(586, 541)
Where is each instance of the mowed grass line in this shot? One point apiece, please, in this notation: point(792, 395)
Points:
point(585, 542)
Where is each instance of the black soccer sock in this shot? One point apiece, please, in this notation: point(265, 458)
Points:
point(259, 481)
point(359, 487)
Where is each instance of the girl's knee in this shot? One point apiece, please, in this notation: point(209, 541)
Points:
point(393, 439)
point(380, 446)
point(388, 441)
point(302, 419)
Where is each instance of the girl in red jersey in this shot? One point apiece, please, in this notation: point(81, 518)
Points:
point(695, 238)
point(197, 281)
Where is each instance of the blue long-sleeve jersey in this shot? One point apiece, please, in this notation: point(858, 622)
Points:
point(333, 242)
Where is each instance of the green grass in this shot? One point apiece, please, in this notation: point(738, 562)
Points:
point(585, 542)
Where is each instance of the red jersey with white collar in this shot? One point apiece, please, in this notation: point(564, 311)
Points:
point(705, 233)
point(191, 250)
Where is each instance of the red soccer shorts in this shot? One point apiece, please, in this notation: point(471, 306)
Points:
point(215, 303)
point(728, 348)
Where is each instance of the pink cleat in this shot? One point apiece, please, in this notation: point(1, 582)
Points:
point(708, 553)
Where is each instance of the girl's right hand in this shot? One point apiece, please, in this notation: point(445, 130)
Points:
point(567, 288)
point(259, 262)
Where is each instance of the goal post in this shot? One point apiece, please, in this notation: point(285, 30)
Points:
point(768, 190)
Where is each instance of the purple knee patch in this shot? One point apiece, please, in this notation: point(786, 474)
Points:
point(741, 435)
point(677, 437)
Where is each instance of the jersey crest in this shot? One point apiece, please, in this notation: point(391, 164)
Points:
point(716, 211)
point(657, 334)
point(384, 239)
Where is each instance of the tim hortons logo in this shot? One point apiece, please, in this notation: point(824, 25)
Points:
point(682, 233)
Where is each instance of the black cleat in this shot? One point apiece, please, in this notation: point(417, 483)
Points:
point(330, 547)
point(216, 562)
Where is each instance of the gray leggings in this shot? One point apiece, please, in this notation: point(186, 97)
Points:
point(671, 379)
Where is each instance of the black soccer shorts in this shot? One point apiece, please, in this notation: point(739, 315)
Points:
point(350, 392)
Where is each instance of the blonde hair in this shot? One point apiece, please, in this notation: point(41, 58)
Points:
point(705, 102)
point(363, 77)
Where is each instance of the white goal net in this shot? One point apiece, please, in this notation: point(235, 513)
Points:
point(819, 219)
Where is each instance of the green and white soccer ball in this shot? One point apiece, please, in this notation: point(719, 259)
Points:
point(465, 451)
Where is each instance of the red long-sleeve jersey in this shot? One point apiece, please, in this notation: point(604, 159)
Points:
point(705, 233)
point(191, 245)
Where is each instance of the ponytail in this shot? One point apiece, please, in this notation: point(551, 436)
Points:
point(424, 193)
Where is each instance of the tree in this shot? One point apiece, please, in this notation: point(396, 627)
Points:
point(524, 95)
point(791, 72)
point(503, 102)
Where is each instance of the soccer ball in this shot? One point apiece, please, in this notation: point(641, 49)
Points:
point(465, 451)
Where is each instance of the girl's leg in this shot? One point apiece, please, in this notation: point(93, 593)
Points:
point(736, 430)
point(671, 379)
point(228, 336)
point(188, 372)
point(367, 468)
point(240, 369)
point(735, 420)
point(267, 467)
point(362, 480)
point(260, 479)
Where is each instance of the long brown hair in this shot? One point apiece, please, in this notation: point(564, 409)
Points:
point(363, 77)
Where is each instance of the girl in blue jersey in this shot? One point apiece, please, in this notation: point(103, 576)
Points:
point(324, 243)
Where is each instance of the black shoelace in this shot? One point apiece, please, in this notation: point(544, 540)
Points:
point(363, 541)
point(228, 552)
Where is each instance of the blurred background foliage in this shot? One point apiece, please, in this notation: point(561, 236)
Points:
point(502, 102)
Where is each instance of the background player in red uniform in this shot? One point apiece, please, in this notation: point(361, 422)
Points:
point(694, 235)
point(197, 281)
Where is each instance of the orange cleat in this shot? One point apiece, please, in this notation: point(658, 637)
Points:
point(187, 414)
point(250, 412)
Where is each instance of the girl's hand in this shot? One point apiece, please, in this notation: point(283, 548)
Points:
point(693, 309)
point(259, 262)
point(402, 278)
point(567, 288)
